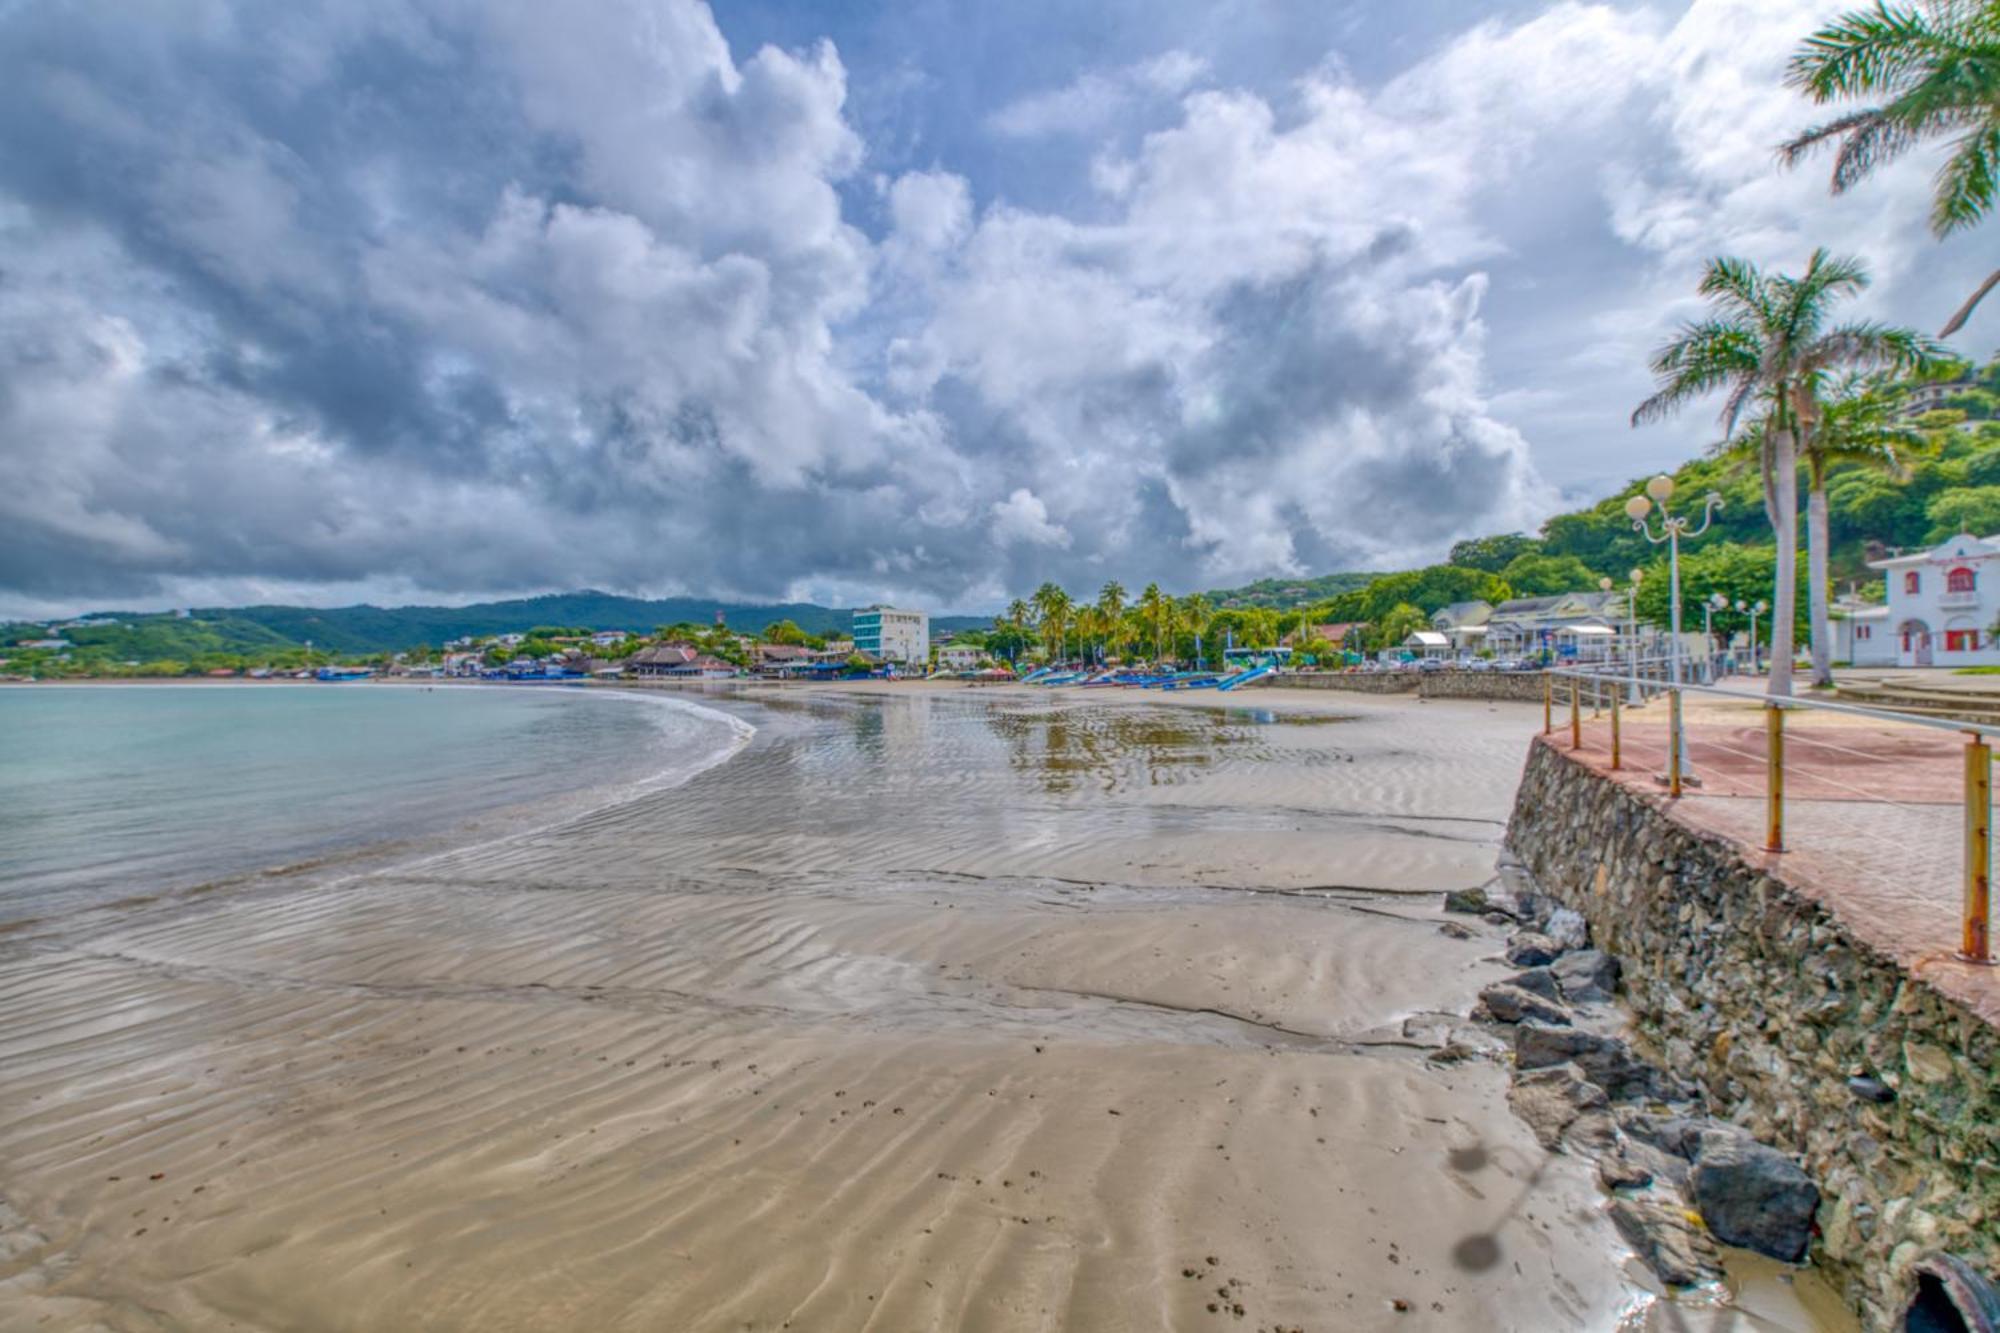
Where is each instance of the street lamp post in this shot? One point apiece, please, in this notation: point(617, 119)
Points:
point(1631, 633)
point(1672, 528)
point(1754, 609)
point(1716, 602)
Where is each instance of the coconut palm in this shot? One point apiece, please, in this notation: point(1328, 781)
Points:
point(1936, 68)
point(1154, 607)
point(1858, 424)
point(1054, 609)
point(1767, 342)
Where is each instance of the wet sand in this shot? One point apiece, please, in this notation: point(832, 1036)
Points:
point(933, 1008)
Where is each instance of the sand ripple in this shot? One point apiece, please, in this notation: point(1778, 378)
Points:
point(984, 1011)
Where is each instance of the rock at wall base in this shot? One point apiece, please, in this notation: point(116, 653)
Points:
point(1754, 1196)
point(1670, 1244)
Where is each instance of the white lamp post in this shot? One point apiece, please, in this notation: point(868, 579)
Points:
point(1631, 632)
point(1716, 602)
point(1672, 528)
point(1754, 609)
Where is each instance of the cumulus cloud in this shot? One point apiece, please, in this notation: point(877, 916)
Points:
point(1096, 99)
point(423, 298)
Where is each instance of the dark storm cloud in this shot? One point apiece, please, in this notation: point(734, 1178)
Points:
point(452, 298)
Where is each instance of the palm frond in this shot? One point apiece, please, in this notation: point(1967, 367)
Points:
point(1861, 51)
point(1871, 346)
point(1735, 283)
point(1704, 357)
point(1965, 184)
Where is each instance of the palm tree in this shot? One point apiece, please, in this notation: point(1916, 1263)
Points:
point(1194, 612)
point(1153, 607)
point(1767, 341)
point(1111, 607)
point(1858, 424)
point(1054, 608)
point(1936, 67)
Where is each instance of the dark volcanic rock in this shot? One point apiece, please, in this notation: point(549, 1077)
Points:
point(1452, 930)
point(1539, 980)
point(1587, 974)
point(1529, 949)
point(1551, 1100)
point(1470, 901)
point(1871, 1090)
point(1508, 1003)
point(1671, 1245)
point(1606, 1061)
point(1678, 1135)
point(1754, 1196)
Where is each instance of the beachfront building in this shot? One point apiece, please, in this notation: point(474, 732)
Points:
point(1427, 643)
point(1463, 624)
point(1582, 625)
point(679, 660)
point(1943, 603)
point(892, 636)
point(960, 656)
point(1327, 641)
point(1861, 634)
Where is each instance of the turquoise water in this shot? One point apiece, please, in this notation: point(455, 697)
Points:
point(112, 791)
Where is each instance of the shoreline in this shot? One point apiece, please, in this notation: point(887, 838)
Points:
point(925, 1008)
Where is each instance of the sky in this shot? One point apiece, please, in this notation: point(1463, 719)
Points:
point(442, 300)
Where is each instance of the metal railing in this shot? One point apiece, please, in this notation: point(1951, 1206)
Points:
point(1603, 688)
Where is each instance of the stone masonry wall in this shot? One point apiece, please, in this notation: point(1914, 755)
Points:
point(1359, 682)
point(1521, 686)
point(1818, 1044)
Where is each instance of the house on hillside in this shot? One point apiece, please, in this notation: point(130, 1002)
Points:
point(605, 638)
point(1427, 643)
point(1943, 603)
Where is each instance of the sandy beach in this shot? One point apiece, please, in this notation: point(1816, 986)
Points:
point(933, 1008)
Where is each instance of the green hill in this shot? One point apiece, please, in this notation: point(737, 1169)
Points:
point(277, 635)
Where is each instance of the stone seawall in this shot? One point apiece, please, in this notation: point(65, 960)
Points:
point(1358, 682)
point(1519, 686)
point(1788, 1024)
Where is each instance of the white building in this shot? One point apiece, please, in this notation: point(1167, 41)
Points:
point(1943, 603)
point(960, 656)
point(892, 635)
point(1861, 634)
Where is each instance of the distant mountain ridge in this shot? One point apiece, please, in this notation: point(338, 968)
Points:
point(374, 629)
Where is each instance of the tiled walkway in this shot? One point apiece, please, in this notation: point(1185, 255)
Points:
point(1874, 819)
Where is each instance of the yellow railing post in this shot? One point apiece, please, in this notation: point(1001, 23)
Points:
point(1674, 742)
point(1548, 702)
point(1616, 754)
point(1575, 714)
point(1975, 947)
point(1774, 778)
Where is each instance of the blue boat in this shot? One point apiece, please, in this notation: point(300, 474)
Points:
point(338, 674)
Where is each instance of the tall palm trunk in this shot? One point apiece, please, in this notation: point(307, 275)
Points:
point(1782, 489)
point(1816, 575)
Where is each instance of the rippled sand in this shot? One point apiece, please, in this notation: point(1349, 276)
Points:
point(932, 1009)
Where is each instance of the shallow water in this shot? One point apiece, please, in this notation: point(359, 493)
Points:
point(108, 791)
